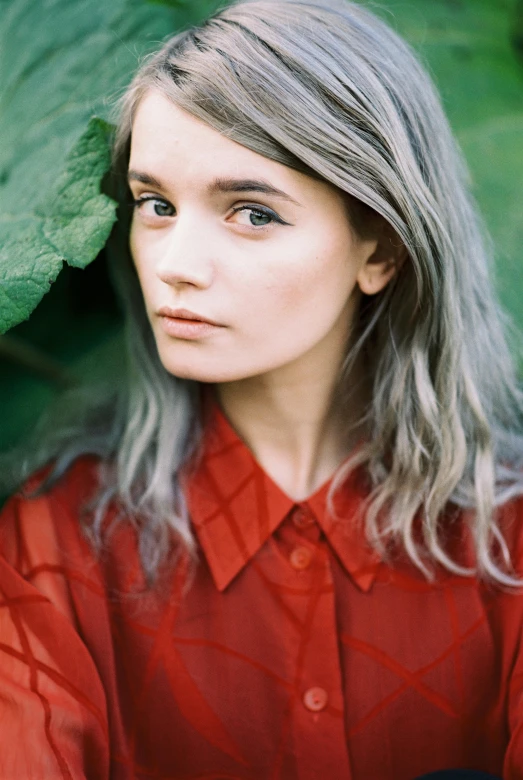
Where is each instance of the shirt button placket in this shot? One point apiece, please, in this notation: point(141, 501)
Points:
point(301, 556)
point(319, 739)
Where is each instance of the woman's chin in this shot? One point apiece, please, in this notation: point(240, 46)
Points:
point(198, 371)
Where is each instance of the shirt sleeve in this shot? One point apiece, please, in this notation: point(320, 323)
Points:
point(53, 721)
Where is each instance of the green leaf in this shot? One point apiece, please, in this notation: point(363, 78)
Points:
point(75, 228)
point(28, 266)
point(80, 218)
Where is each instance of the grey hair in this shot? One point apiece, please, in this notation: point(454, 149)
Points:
point(331, 90)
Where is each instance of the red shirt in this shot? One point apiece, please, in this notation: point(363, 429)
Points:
point(295, 655)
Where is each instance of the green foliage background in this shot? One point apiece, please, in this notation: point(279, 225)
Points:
point(64, 61)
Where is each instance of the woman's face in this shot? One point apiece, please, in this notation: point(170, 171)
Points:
point(220, 231)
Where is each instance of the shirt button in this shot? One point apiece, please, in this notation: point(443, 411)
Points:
point(301, 518)
point(300, 558)
point(315, 699)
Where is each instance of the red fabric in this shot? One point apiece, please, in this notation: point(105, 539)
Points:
point(294, 655)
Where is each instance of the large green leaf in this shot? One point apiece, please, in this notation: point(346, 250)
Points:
point(61, 62)
point(72, 226)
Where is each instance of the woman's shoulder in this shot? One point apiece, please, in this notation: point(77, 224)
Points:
point(54, 617)
point(41, 528)
point(76, 481)
point(510, 523)
point(504, 537)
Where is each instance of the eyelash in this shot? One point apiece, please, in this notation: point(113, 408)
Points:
point(259, 210)
point(263, 212)
point(137, 202)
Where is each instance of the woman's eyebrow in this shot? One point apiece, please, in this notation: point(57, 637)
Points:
point(248, 185)
point(220, 185)
point(144, 178)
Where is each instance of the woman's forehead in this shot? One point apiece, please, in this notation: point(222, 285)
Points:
point(169, 144)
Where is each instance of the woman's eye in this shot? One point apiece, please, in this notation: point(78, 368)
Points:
point(154, 207)
point(256, 217)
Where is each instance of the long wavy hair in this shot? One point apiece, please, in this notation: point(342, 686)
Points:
point(329, 89)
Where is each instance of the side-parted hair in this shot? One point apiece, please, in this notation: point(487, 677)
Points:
point(329, 89)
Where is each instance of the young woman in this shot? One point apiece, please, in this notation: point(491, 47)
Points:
point(289, 545)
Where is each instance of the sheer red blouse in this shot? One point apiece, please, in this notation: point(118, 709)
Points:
point(294, 655)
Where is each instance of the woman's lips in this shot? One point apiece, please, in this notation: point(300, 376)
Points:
point(191, 330)
point(184, 314)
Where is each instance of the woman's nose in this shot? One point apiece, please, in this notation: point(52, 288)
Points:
point(186, 254)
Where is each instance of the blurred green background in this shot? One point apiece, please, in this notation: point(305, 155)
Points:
point(62, 61)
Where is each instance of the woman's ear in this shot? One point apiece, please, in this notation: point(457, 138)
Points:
point(384, 262)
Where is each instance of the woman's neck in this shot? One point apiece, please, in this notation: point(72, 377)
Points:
point(294, 424)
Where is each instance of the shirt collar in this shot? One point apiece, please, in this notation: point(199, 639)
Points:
point(235, 507)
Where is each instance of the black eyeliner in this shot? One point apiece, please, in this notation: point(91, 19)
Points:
point(261, 210)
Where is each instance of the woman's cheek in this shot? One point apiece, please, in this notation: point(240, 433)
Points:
point(291, 283)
